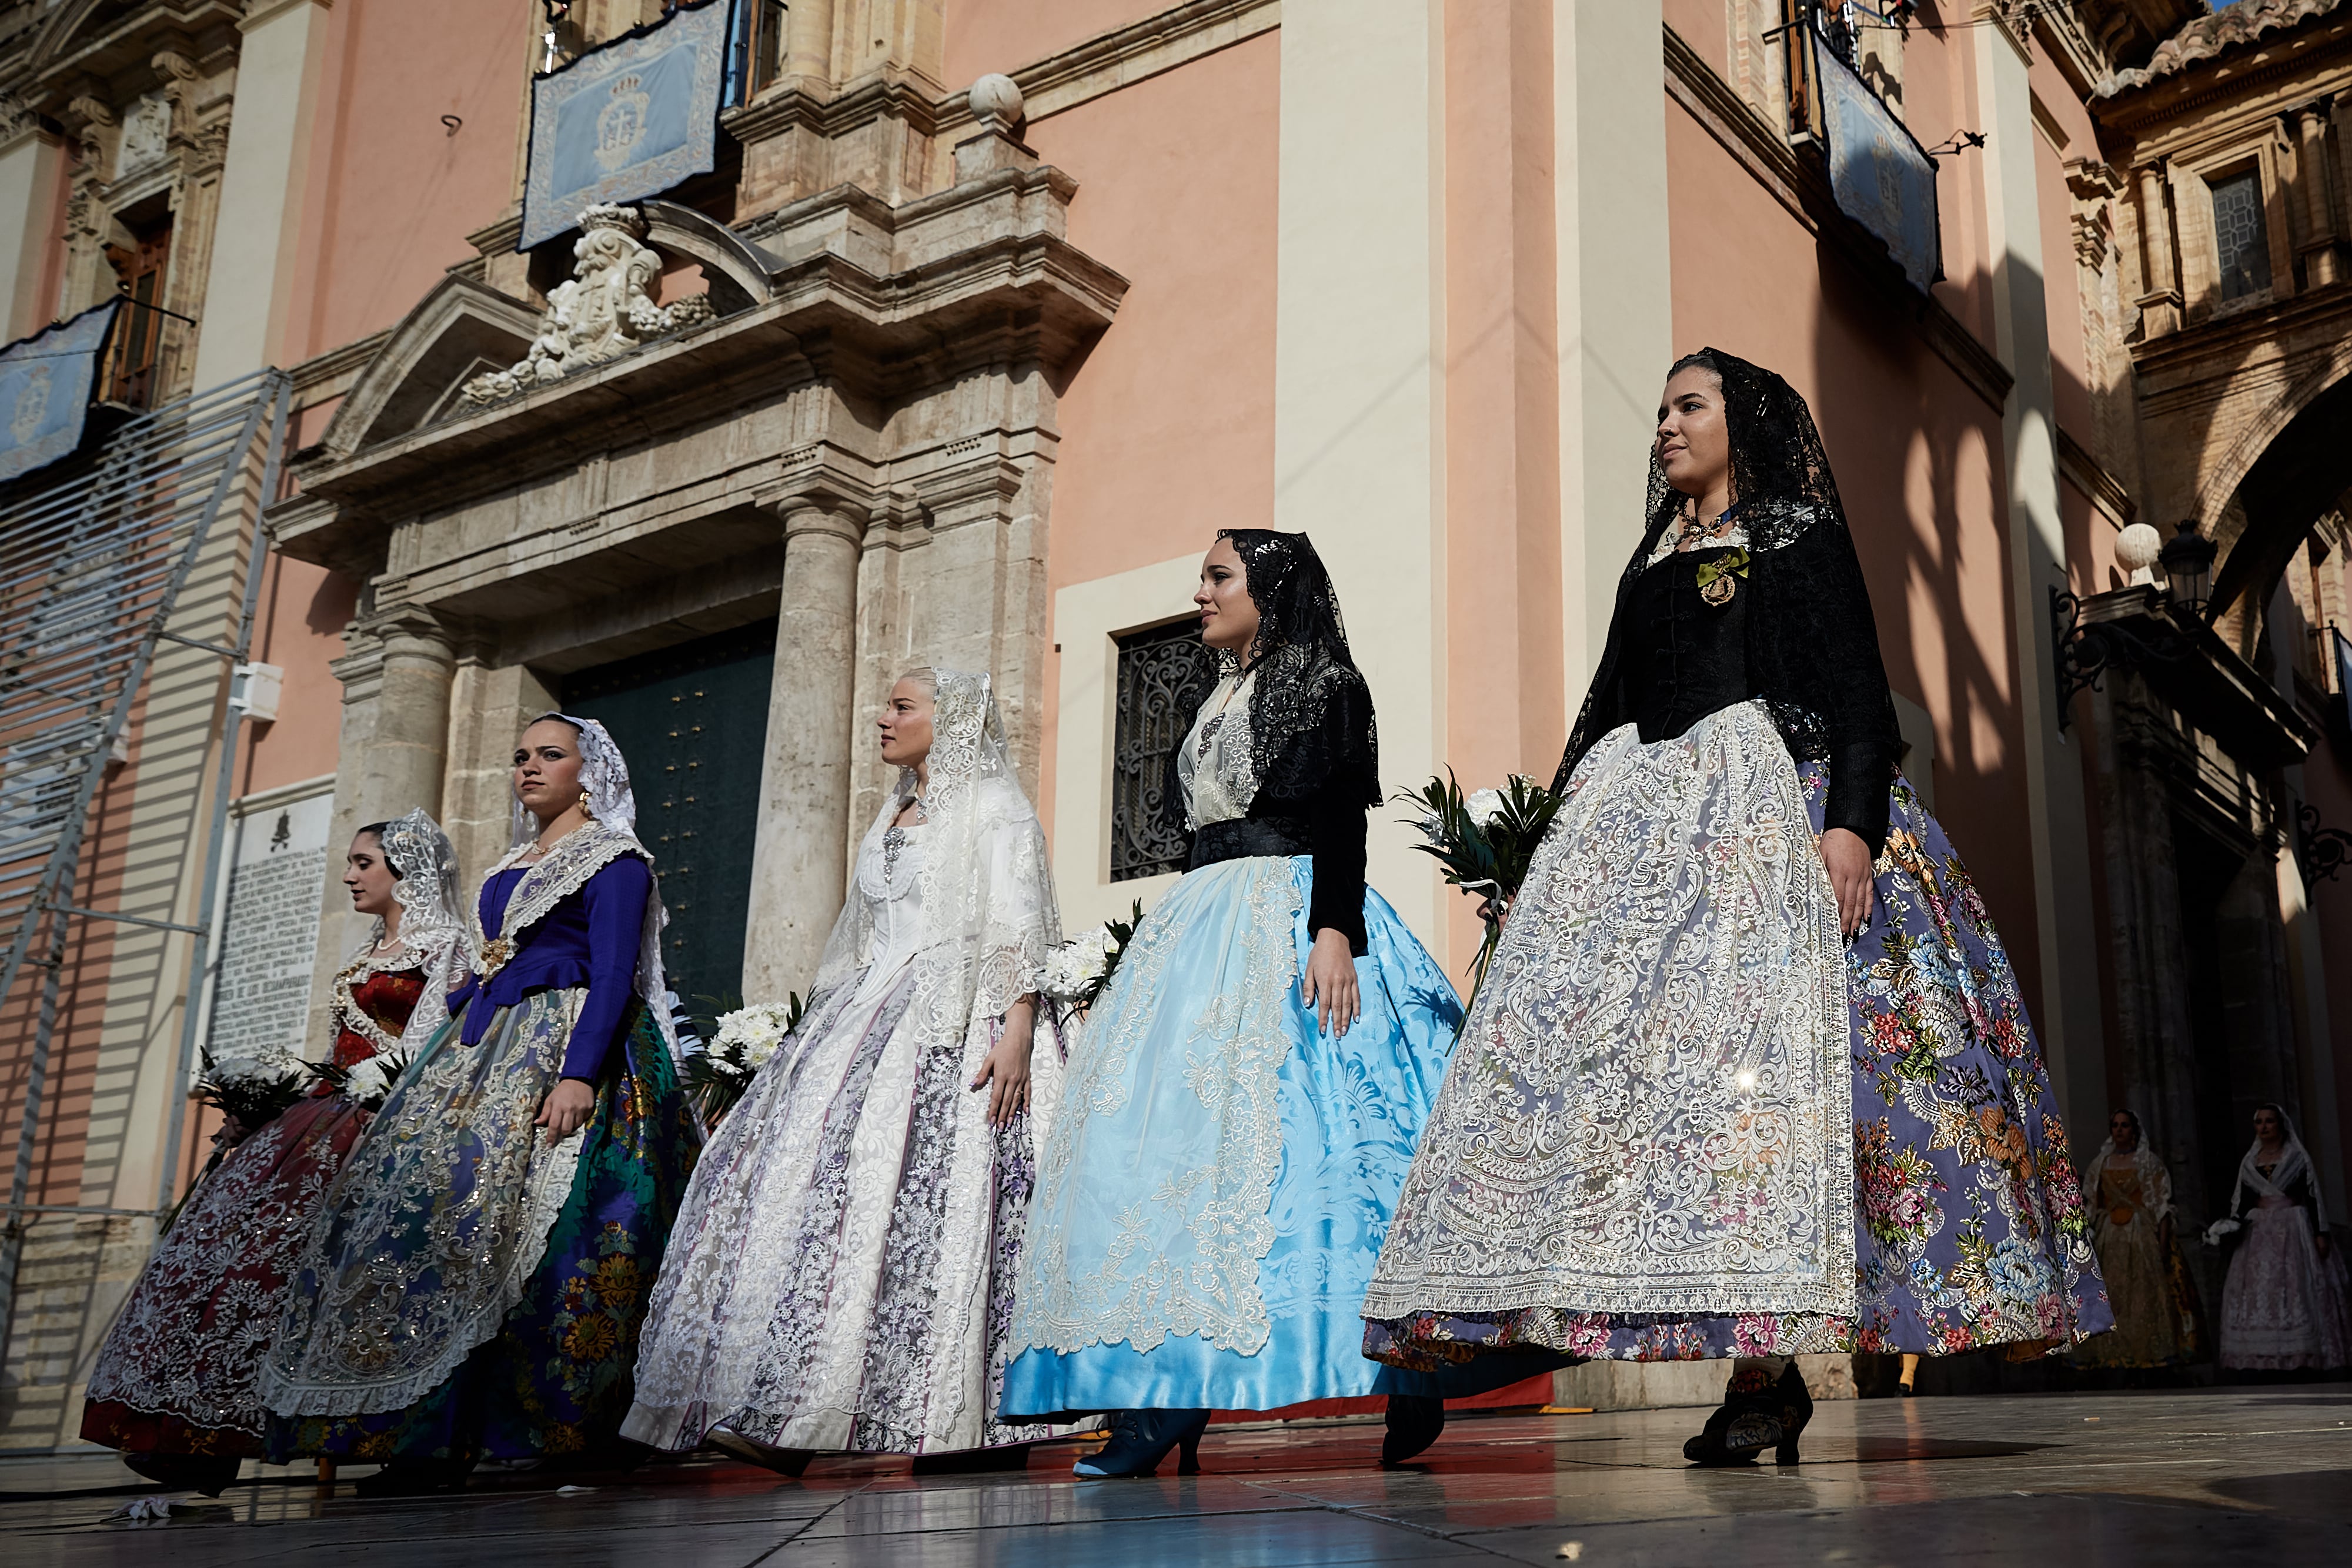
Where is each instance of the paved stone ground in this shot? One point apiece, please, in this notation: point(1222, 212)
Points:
point(2149, 1480)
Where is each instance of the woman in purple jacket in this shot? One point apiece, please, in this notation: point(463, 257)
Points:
point(476, 1284)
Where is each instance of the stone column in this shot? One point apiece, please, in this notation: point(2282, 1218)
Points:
point(808, 39)
point(2322, 263)
point(798, 868)
point(32, 170)
point(2159, 269)
point(393, 752)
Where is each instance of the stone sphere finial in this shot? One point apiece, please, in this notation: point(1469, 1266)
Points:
point(2136, 548)
point(996, 100)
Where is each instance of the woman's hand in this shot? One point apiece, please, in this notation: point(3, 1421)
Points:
point(1004, 1070)
point(567, 1108)
point(1847, 860)
point(1330, 984)
point(1495, 911)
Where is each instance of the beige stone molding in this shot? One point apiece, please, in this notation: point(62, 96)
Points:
point(2079, 468)
point(1125, 55)
point(330, 374)
point(1774, 164)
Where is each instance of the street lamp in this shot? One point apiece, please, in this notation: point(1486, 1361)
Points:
point(2188, 562)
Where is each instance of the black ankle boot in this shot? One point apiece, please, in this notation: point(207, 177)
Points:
point(1795, 1403)
point(415, 1478)
point(1414, 1422)
point(1139, 1439)
point(1746, 1423)
point(210, 1474)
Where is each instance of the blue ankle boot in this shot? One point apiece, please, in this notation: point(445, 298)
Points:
point(1139, 1439)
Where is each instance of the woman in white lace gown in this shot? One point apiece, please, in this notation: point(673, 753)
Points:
point(841, 1275)
point(2282, 1303)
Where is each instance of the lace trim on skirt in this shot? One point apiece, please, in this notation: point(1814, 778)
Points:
point(435, 1224)
point(1649, 1112)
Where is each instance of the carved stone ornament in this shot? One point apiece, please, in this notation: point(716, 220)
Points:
point(146, 135)
point(16, 117)
point(600, 314)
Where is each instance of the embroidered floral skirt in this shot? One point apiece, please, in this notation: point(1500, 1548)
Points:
point(177, 1372)
point(472, 1290)
point(1218, 1178)
point(841, 1275)
point(2282, 1305)
point(1967, 1227)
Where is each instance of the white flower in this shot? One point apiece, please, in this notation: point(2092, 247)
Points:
point(368, 1082)
point(1484, 805)
point(270, 1067)
point(1072, 968)
point(749, 1035)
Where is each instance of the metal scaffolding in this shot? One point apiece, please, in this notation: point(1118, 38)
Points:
point(91, 570)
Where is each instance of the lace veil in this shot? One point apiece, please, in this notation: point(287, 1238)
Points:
point(1811, 641)
point(612, 805)
point(2293, 1161)
point(2155, 1177)
point(433, 926)
point(1310, 715)
point(990, 915)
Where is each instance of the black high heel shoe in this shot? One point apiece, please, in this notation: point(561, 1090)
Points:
point(1746, 1423)
point(1414, 1421)
point(1796, 1411)
point(751, 1451)
point(1139, 1439)
point(415, 1478)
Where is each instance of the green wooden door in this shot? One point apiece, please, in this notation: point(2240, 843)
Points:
point(693, 722)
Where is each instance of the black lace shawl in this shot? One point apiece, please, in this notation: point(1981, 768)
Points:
point(1812, 641)
point(1314, 744)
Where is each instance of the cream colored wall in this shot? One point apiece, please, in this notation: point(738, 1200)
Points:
point(32, 175)
point(2057, 822)
point(1615, 298)
point(261, 210)
point(1359, 351)
point(1088, 618)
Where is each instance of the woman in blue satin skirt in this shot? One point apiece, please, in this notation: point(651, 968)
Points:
point(1242, 1107)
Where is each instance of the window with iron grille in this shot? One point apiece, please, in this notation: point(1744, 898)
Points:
point(2241, 241)
point(1163, 673)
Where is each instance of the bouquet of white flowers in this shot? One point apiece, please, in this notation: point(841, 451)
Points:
point(741, 1044)
point(251, 1091)
point(1077, 971)
point(369, 1082)
point(1486, 841)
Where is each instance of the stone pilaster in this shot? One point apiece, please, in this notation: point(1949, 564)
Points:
point(2322, 261)
point(2159, 304)
point(396, 673)
point(799, 870)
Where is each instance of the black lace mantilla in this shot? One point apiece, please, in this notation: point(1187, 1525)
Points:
point(1314, 745)
point(1812, 641)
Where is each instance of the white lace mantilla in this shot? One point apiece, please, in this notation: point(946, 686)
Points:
point(1189, 1227)
point(1650, 1110)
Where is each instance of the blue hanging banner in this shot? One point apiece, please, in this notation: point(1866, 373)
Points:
point(1884, 180)
point(627, 120)
point(44, 382)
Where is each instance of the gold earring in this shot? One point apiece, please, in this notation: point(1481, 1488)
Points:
point(586, 797)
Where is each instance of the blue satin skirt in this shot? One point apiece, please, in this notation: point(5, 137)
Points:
point(1135, 1125)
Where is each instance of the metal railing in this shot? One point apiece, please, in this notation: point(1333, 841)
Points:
point(92, 566)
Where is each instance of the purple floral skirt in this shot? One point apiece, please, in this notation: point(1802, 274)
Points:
point(1969, 1228)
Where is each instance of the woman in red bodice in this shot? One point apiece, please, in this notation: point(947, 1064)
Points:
point(173, 1388)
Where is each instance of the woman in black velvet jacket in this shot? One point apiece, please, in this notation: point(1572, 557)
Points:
point(1238, 1113)
point(1750, 1074)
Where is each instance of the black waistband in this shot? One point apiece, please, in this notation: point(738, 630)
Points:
point(1247, 836)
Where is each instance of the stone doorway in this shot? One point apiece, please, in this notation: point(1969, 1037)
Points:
point(692, 720)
